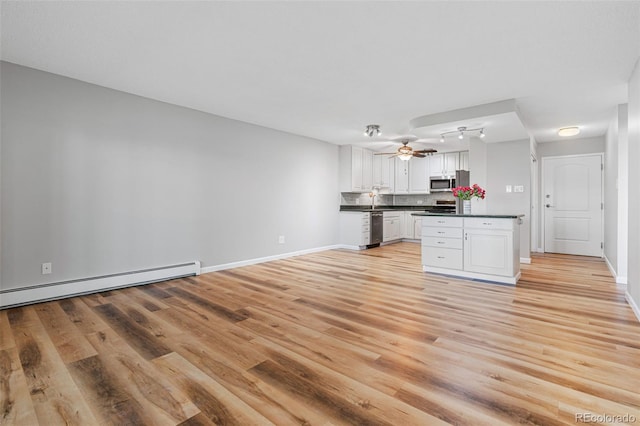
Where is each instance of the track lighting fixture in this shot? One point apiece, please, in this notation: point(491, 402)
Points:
point(461, 132)
point(372, 130)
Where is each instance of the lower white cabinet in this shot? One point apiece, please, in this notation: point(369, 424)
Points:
point(417, 227)
point(392, 223)
point(473, 247)
point(355, 229)
point(412, 226)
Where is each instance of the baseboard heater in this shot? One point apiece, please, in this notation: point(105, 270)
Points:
point(43, 292)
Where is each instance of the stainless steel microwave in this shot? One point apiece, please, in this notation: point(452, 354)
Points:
point(437, 184)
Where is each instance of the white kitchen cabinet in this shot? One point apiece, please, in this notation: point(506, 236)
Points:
point(383, 172)
point(481, 247)
point(417, 227)
point(355, 169)
point(401, 184)
point(451, 163)
point(418, 175)
point(464, 160)
point(412, 228)
point(441, 243)
point(392, 225)
point(367, 170)
point(355, 229)
point(446, 164)
point(489, 246)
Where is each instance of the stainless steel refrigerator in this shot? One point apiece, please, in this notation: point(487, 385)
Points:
point(462, 179)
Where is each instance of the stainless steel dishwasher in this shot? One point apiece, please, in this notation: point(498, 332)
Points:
point(376, 228)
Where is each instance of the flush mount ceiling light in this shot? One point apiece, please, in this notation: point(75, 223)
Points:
point(569, 131)
point(461, 132)
point(372, 130)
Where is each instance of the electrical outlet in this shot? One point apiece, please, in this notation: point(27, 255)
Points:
point(46, 268)
point(508, 188)
point(281, 239)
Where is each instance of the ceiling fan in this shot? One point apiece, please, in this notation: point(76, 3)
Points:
point(405, 152)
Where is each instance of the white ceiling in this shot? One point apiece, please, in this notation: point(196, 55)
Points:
point(327, 69)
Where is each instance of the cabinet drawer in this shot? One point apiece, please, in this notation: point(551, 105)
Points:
point(366, 228)
point(392, 215)
point(442, 257)
point(430, 231)
point(455, 243)
point(366, 219)
point(442, 221)
point(366, 238)
point(488, 223)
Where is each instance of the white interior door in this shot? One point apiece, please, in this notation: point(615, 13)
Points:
point(572, 205)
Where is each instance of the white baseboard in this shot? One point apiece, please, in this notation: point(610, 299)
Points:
point(257, 260)
point(44, 292)
point(633, 305)
point(525, 260)
point(618, 279)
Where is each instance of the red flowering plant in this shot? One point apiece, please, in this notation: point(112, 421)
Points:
point(469, 192)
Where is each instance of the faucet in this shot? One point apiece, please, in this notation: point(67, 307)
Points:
point(373, 199)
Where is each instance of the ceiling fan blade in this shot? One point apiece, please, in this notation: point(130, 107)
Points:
point(425, 151)
point(417, 154)
point(384, 153)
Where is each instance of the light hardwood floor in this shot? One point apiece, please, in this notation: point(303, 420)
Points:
point(336, 337)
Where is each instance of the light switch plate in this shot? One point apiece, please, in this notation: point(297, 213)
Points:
point(518, 188)
point(46, 268)
point(508, 189)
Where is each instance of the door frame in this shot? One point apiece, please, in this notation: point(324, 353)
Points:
point(543, 216)
point(535, 209)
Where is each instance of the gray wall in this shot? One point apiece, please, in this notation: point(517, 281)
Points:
point(99, 182)
point(611, 194)
point(495, 165)
point(623, 193)
point(633, 283)
point(571, 147)
point(508, 164)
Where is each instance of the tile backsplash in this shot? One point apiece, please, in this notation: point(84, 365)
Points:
point(355, 199)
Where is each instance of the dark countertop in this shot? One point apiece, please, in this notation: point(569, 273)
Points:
point(365, 208)
point(492, 216)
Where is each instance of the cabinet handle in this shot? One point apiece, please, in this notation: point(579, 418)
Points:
point(440, 232)
point(441, 221)
point(440, 242)
point(486, 223)
point(440, 257)
point(465, 236)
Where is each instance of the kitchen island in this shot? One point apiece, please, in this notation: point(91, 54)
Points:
point(484, 247)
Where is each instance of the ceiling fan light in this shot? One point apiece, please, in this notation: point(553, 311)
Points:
point(441, 138)
point(405, 157)
point(482, 135)
point(569, 131)
point(461, 135)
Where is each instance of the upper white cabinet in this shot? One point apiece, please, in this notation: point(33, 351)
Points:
point(445, 164)
point(411, 177)
point(464, 160)
point(401, 176)
point(383, 172)
point(418, 175)
point(356, 169)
